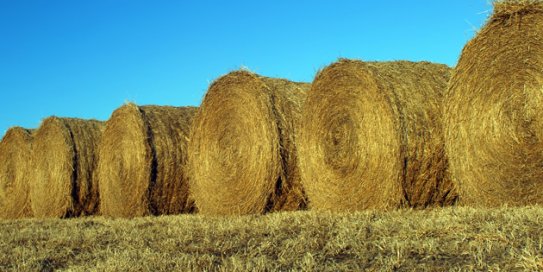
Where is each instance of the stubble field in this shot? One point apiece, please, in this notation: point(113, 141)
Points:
point(449, 239)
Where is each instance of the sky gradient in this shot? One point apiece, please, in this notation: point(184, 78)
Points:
point(86, 58)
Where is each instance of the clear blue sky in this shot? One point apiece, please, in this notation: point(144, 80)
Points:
point(86, 58)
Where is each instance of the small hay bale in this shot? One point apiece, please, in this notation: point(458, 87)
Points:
point(143, 155)
point(15, 157)
point(372, 137)
point(494, 114)
point(242, 154)
point(63, 160)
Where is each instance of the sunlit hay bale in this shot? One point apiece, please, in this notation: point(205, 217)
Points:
point(372, 137)
point(15, 166)
point(242, 154)
point(143, 155)
point(62, 182)
point(494, 113)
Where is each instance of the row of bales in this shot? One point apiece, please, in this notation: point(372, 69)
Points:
point(362, 135)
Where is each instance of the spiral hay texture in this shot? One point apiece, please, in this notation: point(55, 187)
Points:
point(494, 112)
point(372, 137)
point(15, 157)
point(242, 154)
point(63, 161)
point(143, 156)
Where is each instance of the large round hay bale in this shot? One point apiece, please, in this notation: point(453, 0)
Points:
point(15, 157)
point(143, 155)
point(63, 160)
point(494, 112)
point(372, 137)
point(242, 154)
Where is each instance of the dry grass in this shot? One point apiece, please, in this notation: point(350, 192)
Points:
point(450, 239)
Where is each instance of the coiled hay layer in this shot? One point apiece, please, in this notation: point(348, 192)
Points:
point(372, 137)
point(64, 160)
point(494, 112)
point(15, 166)
point(242, 155)
point(143, 156)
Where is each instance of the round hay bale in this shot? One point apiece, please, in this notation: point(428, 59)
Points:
point(372, 137)
point(143, 155)
point(242, 154)
point(15, 157)
point(494, 113)
point(64, 160)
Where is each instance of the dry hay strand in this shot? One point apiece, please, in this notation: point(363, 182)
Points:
point(15, 157)
point(64, 160)
point(372, 137)
point(143, 155)
point(493, 118)
point(242, 156)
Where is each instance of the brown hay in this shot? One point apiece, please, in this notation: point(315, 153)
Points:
point(63, 160)
point(508, 9)
point(15, 157)
point(142, 161)
point(493, 118)
point(372, 137)
point(242, 155)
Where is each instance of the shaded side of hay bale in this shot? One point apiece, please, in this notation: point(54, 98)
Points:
point(494, 104)
point(372, 137)
point(143, 156)
point(63, 162)
point(419, 89)
point(15, 157)
point(287, 99)
point(242, 156)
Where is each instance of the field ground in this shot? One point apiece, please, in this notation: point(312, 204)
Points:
point(457, 239)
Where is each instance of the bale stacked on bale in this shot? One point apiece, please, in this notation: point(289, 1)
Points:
point(494, 112)
point(63, 162)
point(242, 154)
point(372, 137)
point(15, 157)
point(143, 156)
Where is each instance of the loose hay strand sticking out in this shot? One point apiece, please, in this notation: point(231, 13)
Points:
point(242, 154)
point(63, 162)
point(372, 137)
point(15, 157)
point(143, 156)
point(493, 118)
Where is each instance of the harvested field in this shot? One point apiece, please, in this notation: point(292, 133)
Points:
point(142, 166)
point(372, 137)
point(449, 239)
point(243, 156)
